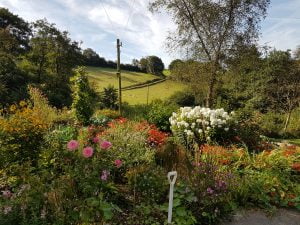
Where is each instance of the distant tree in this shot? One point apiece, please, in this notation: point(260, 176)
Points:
point(211, 29)
point(17, 28)
point(91, 58)
point(174, 63)
point(155, 65)
point(143, 64)
point(135, 62)
point(283, 83)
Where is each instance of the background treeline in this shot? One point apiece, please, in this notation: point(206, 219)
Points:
point(41, 55)
point(150, 64)
point(254, 80)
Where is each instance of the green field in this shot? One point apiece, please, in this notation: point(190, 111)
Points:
point(102, 77)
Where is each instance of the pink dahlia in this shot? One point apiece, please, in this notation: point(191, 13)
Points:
point(96, 140)
point(105, 145)
point(118, 163)
point(87, 152)
point(72, 145)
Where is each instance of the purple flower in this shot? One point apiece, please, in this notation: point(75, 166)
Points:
point(209, 190)
point(104, 175)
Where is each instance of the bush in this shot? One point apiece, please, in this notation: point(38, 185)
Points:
point(21, 134)
point(83, 97)
point(183, 98)
point(109, 98)
point(159, 114)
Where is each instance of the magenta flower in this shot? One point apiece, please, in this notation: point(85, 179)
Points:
point(96, 140)
point(72, 145)
point(118, 163)
point(104, 175)
point(105, 145)
point(87, 152)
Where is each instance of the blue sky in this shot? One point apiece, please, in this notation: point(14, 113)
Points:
point(141, 32)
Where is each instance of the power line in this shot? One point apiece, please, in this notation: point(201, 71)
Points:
point(108, 18)
point(130, 14)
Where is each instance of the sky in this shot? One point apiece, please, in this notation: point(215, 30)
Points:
point(98, 23)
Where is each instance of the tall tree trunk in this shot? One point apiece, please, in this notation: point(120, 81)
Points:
point(211, 86)
point(287, 121)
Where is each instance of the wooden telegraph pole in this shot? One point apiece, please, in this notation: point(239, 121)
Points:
point(119, 44)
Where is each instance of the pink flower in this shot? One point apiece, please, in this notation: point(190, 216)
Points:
point(87, 152)
point(96, 140)
point(72, 145)
point(105, 145)
point(104, 175)
point(118, 163)
point(6, 194)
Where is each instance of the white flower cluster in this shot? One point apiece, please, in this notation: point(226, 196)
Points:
point(199, 121)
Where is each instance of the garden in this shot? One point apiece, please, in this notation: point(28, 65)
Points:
point(86, 166)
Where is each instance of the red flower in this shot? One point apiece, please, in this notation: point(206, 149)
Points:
point(156, 137)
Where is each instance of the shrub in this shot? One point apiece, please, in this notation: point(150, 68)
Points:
point(159, 114)
point(109, 98)
point(183, 98)
point(21, 134)
point(83, 97)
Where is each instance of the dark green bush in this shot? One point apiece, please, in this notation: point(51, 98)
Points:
point(83, 97)
point(183, 98)
point(109, 98)
point(160, 112)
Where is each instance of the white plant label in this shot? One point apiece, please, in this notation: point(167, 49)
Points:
point(172, 179)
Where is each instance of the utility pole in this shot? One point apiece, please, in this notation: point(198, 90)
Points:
point(119, 44)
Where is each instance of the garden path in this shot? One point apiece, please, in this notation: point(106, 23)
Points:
point(256, 217)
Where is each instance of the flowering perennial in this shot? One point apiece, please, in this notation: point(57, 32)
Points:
point(199, 123)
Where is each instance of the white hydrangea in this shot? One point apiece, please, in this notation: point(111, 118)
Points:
point(199, 121)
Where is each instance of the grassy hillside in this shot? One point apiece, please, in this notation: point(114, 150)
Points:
point(102, 77)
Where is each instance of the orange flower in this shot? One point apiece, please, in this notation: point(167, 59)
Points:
point(296, 166)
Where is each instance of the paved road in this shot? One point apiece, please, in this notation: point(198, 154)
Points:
point(255, 217)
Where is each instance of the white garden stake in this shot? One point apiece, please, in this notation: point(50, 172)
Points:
point(172, 179)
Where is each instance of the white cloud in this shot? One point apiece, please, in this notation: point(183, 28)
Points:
point(145, 33)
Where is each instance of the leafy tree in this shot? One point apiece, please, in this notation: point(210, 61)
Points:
point(211, 29)
point(155, 65)
point(283, 83)
point(51, 61)
point(17, 28)
point(83, 96)
point(143, 64)
point(174, 63)
point(12, 81)
point(91, 58)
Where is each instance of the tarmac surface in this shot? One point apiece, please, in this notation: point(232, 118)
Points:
point(257, 217)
